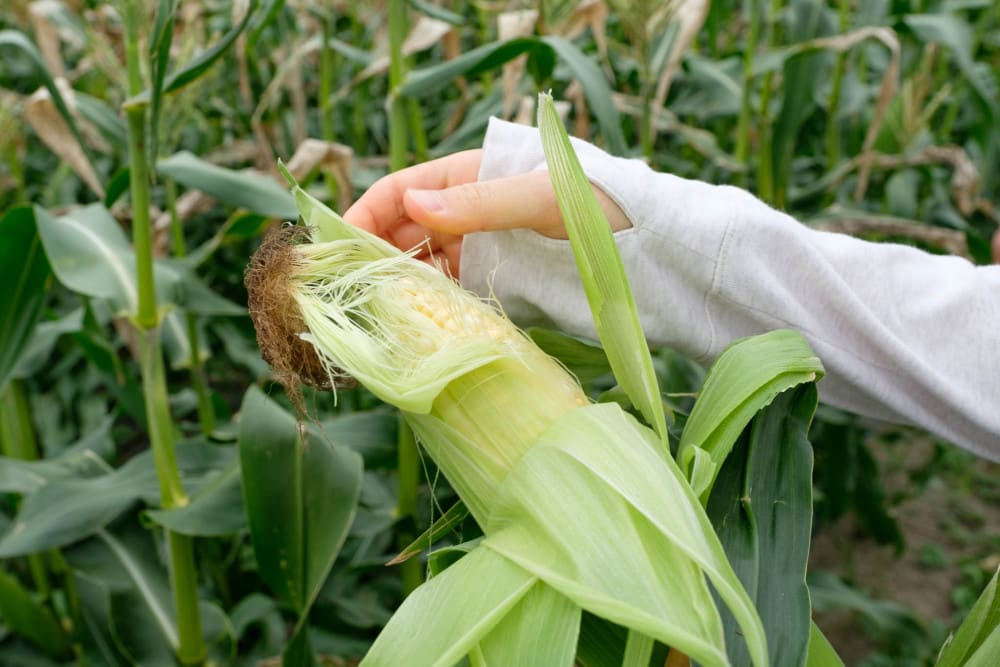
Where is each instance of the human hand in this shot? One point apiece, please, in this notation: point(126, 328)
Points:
point(440, 201)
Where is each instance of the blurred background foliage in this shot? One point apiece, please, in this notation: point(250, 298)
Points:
point(877, 119)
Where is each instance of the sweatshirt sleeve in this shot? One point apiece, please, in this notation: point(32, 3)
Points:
point(905, 336)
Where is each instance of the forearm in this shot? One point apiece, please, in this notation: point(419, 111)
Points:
point(905, 336)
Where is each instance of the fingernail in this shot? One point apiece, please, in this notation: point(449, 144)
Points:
point(429, 200)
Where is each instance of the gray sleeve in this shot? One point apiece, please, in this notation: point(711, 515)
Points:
point(905, 336)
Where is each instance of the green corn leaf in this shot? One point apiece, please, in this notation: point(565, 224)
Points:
point(423, 81)
point(746, 377)
point(638, 650)
point(602, 643)
point(199, 64)
point(300, 494)
point(23, 615)
point(443, 526)
point(91, 255)
point(957, 36)
point(151, 602)
point(586, 360)
point(27, 276)
point(443, 619)
point(250, 191)
point(159, 57)
point(821, 653)
point(139, 606)
point(761, 507)
point(194, 69)
point(62, 509)
point(215, 510)
point(82, 460)
point(601, 271)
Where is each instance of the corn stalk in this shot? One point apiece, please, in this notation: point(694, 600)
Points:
point(190, 646)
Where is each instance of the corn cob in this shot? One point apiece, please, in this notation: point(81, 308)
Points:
point(571, 496)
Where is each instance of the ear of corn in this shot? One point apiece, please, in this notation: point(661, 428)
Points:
point(571, 495)
point(582, 506)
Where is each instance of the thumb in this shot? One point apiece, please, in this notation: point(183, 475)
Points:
point(523, 201)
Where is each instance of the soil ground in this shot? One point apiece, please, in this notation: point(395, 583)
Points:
point(947, 504)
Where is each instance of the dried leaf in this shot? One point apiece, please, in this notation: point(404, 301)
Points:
point(425, 34)
point(41, 114)
point(511, 25)
point(336, 158)
point(690, 15)
point(46, 35)
point(950, 240)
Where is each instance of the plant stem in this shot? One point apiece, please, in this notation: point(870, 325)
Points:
point(397, 106)
point(17, 436)
point(743, 127)
point(191, 645)
point(417, 129)
point(408, 470)
point(833, 126)
point(199, 382)
point(17, 441)
point(765, 166)
point(326, 81)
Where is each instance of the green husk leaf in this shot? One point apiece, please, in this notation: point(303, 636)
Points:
point(746, 377)
point(601, 271)
point(585, 509)
point(443, 619)
point(541, 630)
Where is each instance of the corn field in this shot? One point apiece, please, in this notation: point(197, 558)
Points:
point(236, 430)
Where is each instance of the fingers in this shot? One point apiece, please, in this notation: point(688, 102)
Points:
point(380, 210)
point(522, 201)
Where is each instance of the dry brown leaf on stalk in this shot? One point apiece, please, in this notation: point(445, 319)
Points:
point(965, 184)
point(591, 14)
point(242, 67)
point(690, 15)
point(41, 114)
point(511, 25)
point(949, 240)
point(581, 121)
point(46, 35)
point(335, 158)
point(426, 33)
